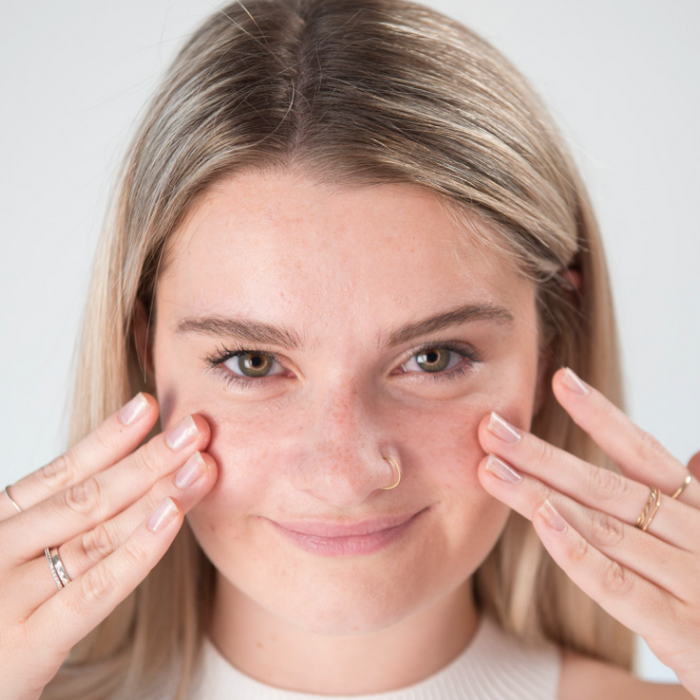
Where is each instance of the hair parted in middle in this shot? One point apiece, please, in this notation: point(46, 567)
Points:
point(354, 93)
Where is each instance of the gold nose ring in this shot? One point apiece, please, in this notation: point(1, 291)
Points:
point(398, 469)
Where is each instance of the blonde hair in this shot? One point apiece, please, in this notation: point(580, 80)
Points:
point(356, 91)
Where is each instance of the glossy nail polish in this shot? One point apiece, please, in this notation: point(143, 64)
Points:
point(191, 470)
point(502, 471)
point(572, 380)
point(502, 429)
point(162, 515)
point(181, 434)
point(134, 409)
point(552, 516)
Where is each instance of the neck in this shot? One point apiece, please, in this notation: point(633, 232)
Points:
point(277, 653)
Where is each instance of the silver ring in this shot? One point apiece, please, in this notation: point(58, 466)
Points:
point(58, 565)
point(53, 569)
point(12, 500)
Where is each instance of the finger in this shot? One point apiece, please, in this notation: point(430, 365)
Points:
point(657, 562)
point(32, 583)
point(82, 506)
point(694, 465)
point(636, 452)
point(71, 613)
point(675, 523)
point(115, 438)
point(636, 602)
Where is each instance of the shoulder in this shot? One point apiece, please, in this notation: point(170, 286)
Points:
point(584, 678)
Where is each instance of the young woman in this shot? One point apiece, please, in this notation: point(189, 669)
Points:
point(355, 288)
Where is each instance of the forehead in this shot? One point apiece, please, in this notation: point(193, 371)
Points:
point(281, 243)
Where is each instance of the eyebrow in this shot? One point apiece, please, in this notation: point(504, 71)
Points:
point(454, 317)
point(258, 332)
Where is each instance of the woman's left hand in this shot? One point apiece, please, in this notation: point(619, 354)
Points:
point(586, 518)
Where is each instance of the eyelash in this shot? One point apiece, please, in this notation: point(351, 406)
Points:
point(222, 354)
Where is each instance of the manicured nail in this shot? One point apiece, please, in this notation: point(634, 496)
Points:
point(552, 516)
point(135, 409)
point(502, 429)
point(181, 434)
point(572, 380)
point(193, 468)
point(162, 515)
point(501, 470)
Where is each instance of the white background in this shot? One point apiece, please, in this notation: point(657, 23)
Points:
point(621, 77)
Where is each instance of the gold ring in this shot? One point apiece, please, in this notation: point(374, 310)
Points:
point(642, 517)
point(655, 498)
point(398, 469)
point(683, 486)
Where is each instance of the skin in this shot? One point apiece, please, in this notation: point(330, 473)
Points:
point(343, 268)
point(340, 269)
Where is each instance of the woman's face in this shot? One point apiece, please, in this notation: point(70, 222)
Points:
point(373, 326)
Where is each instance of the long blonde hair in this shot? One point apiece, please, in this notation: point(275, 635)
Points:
point(356, 91)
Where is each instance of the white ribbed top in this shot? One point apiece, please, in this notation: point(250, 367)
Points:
point(494, 666)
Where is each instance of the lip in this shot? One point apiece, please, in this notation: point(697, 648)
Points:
point(327, 538)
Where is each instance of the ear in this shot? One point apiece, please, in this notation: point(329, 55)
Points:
point(143, 340)
point(570, 279)
point(573, 277)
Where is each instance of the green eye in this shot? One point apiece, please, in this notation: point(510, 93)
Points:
point(433, 359)
point(251, 364)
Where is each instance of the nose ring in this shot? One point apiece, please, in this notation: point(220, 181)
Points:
point(398, 469)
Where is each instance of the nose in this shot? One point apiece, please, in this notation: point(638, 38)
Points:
point(342, 462)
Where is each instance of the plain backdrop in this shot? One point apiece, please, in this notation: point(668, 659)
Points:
point(621, 77)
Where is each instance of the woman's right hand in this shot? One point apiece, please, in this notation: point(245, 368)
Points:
point(113, 510)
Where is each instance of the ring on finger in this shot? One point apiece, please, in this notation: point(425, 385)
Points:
point(54, 573)
point(12, 500)
point(58, 565)
point(683, 486)
point(654, 500)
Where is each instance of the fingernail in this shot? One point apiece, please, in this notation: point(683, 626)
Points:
point(572, 380)
point(193, 468)
point(552, 516)
point(502, 429)
point(181, 434)
point(162, 515)
point(502, 471)
point(135, 409)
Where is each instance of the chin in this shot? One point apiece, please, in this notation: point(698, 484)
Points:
point(338, 616)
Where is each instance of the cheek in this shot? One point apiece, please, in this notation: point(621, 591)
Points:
point(259, 446)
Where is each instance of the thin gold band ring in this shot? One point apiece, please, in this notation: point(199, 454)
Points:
point(654, 500)
point(683, 486)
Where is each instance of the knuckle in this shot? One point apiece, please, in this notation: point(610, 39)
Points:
point(615, 579)
point(580, 551)
point(544, 451)
point(147, 461)
point(105, 438)
point(83, 497)
point(605, 530)
point(95, 585)
point(58, 473)
point(138, 553)
point(605, 483)
point(97, 543)
point(649, 448)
